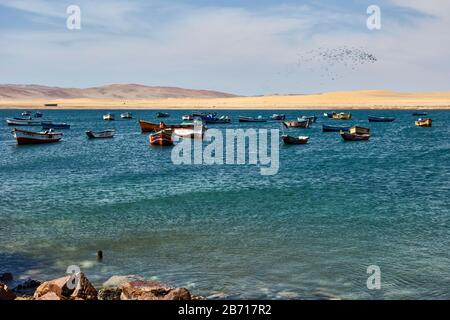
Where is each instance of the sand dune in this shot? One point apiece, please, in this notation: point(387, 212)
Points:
point(332, 100)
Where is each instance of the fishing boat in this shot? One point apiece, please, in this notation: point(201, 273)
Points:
point(187, 117)
point(162, 115)
point(23, 122)
point(251, 119)
point(420, 114)
point(29, 137)
point(26, 113)
point(381, 119)
point(329, 114)
point(38, 115)
point(108, 117)
point(305, 124)
point(424, 122)
point(153, 127)
point(342, 116)
point(354, 136)
point(194, 133)
point(312, 119)
point(161, 138)
point(213, 118)
point(287, 139)
point(327, 128)
point(51, 125)
point(126, 115)
point(278, 117)
point(100, 134)
point(359, 130)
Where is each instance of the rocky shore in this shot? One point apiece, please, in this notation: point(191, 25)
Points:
point(78, 287)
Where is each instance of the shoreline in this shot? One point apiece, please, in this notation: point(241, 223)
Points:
point(357, 100)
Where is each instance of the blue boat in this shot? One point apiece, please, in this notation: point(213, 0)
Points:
point(162, 115)
point(326, 128)
point(312, 119)
point(51, 125)
point(381, 119)
point(214, 118)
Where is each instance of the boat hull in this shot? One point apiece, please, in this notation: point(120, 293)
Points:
point(326, 128)
point(26, 137)
point(424, 123)
point(354, 136)
point(23, 122)
point(381, 119)
point(295, 140)
point(247, 119)
point(162, 138)
point(100, 135)
point(297, 124)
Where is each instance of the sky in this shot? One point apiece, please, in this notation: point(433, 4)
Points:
point(251, 47)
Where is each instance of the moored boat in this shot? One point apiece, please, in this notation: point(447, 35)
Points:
point(194, 133)
point(23, 122)
point(354, 136)
point(213, 118)
point(126, 115)
point(162, 115)
point(329, 114)
point(287, 139)
point(161, 138)
point(108, 117)
point(381, 119)
point(328, 128)
point(359, 130)
point(305, 124)
point(51, 125)
point(38, 115)
point(420, 114)
point(187, 117)
point(312, 119)
point(424, 122)
point(342, 116)
point(147, 126)
point(100, 134)
point(278, 117)
point(251, 119)
point(26, 113)
point(28, 137)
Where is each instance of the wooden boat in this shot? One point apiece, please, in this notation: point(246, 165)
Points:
point(251, 119)
point(29, 137)
point(278, 117)
point(359, 130)
point(126, 115)
point(154, 127)
point(381, 119)
point(23, 122)
point(38, 115)
point(100, 134)
point(420, 114)
point(297, 124)
point(327, 128)
point(294, 140)
point(424, 122)
point(342, 116)
point(312, 119)
point(161, 138)
point(162, 115)
point(108, 117)
point(187, 117)
point(354, 136)
point(51, 125)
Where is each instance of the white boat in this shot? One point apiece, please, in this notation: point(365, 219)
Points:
point(126, 115)
point(100, 134)
point(28, 137)
point(187, 117)
point(23, 122)
point(108, 117)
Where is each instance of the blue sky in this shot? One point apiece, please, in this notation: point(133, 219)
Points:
point(244, 47)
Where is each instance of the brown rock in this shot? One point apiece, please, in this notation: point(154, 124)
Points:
point(151, 290)
point(109, 294)
point(49, 296)
point(6, 294)
point(84, 289)
point(178, 294)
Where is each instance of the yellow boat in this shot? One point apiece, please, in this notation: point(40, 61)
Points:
point(424, 123)
point(342, 116)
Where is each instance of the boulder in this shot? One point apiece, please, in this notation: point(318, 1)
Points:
point(152, 290)
point(27, 287)
point(6, 277)
point(50, 296)
point(109, 294)
point(6, 294)
point(61, 288)
point(117, 281)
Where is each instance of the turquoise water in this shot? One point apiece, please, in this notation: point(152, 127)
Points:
point(309, 232)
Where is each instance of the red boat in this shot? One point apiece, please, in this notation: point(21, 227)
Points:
point(161, 138)
point(28, 137)
point(354, 136)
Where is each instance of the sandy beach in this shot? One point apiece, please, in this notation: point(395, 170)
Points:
point(333, 100)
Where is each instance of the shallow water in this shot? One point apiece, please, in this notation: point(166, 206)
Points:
point(308, 232)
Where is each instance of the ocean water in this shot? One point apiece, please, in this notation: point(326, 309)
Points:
point(309, 232)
